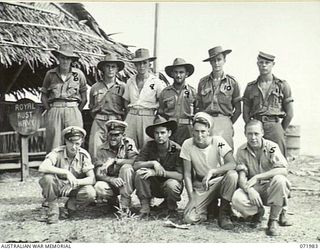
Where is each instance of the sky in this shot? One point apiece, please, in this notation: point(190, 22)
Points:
point(288, 30)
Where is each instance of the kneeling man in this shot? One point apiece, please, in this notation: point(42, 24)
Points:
point(68, 172)
point(113, 164)
point(205, 176)
point(262, 178)
point(159, 168)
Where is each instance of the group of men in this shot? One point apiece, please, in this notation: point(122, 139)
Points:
point(156, 139)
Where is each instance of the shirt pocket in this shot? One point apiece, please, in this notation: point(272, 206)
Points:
point(206, 96)
point(276, 98)
point(54, 90)
point(116, 99)
point(225, 97)
point(73, 89)
point(170, 102)
point(98, 95)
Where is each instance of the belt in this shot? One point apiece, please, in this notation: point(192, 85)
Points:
point(184, 121)
point(142, 112)
point(107, 117)
point(267, 118)
point(64, 104)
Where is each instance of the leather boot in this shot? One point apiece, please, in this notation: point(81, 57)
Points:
point(213, 210)
point(272, 229)
point(53, 212)
point(283, 220)
point(257, 218)
point(145, 209)
point(224, 215)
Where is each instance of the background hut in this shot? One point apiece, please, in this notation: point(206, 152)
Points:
point(29, 32)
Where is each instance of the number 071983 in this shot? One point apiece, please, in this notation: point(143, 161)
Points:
point(309, 246)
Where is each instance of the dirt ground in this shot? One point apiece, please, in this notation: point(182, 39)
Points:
point(20, 213)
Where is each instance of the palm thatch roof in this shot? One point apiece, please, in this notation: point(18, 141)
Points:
point(30, 31)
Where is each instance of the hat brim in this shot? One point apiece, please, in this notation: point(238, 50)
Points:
point(171, 125)
point(140, 59)
point(73, 56)
point(189, 67)
point(120, 64)
point(226, 52)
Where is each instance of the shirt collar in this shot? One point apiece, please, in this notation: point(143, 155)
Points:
point(222, 78)
point(274, 79)
point(246, 147)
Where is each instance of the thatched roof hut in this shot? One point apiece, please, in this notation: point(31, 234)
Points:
point(29, 31)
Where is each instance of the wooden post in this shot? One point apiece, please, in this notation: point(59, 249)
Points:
point(24, 157)
point(155, 45)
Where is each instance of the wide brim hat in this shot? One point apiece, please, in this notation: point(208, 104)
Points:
point(65, 49)
point(216, 51)
point(142, 55)
point(161, 121)
point(111, 58)
point(179, 62)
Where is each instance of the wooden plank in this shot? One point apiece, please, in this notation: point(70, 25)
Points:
point(17, 165)
point(24, 158)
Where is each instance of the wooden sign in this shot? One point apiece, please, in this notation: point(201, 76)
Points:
point(25, 117)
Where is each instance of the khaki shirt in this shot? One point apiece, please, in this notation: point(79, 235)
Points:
point(79, 166)
point(107, 101)
point(220, 97)
point(271, 157)
point(272, 105)
point(127, 150)
point(149, 95)
point(69, 89)
point(177, 104)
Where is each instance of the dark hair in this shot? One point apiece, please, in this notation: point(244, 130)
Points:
point(202, 121)
point(253, 122)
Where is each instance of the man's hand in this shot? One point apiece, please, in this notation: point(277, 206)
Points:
point(65, 190)
point(254, 197)
point(253, 181)
point(159, 170)
point(117, 182)
point(72, 180)
point(145, 173)
point(206, 179)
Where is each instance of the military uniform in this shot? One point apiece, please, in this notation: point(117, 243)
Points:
point(273, 191)
point(142, 106)
point(105, 104)
point(179, 106)
point(269, 109)
point(64, 96)
point(105, 190)
point(218, 99)
point(157, 186)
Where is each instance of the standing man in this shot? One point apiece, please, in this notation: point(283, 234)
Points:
point(268, 99)
point(205, 177)
point(106, 102)
point(113, 165)
point(68, 172)
point(262, 179)
point(63, 95)
point(219, 95)
point(141, 96)
point(177, 101)
point(159, 168)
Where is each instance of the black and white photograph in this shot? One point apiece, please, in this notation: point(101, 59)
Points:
point(159, 122)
